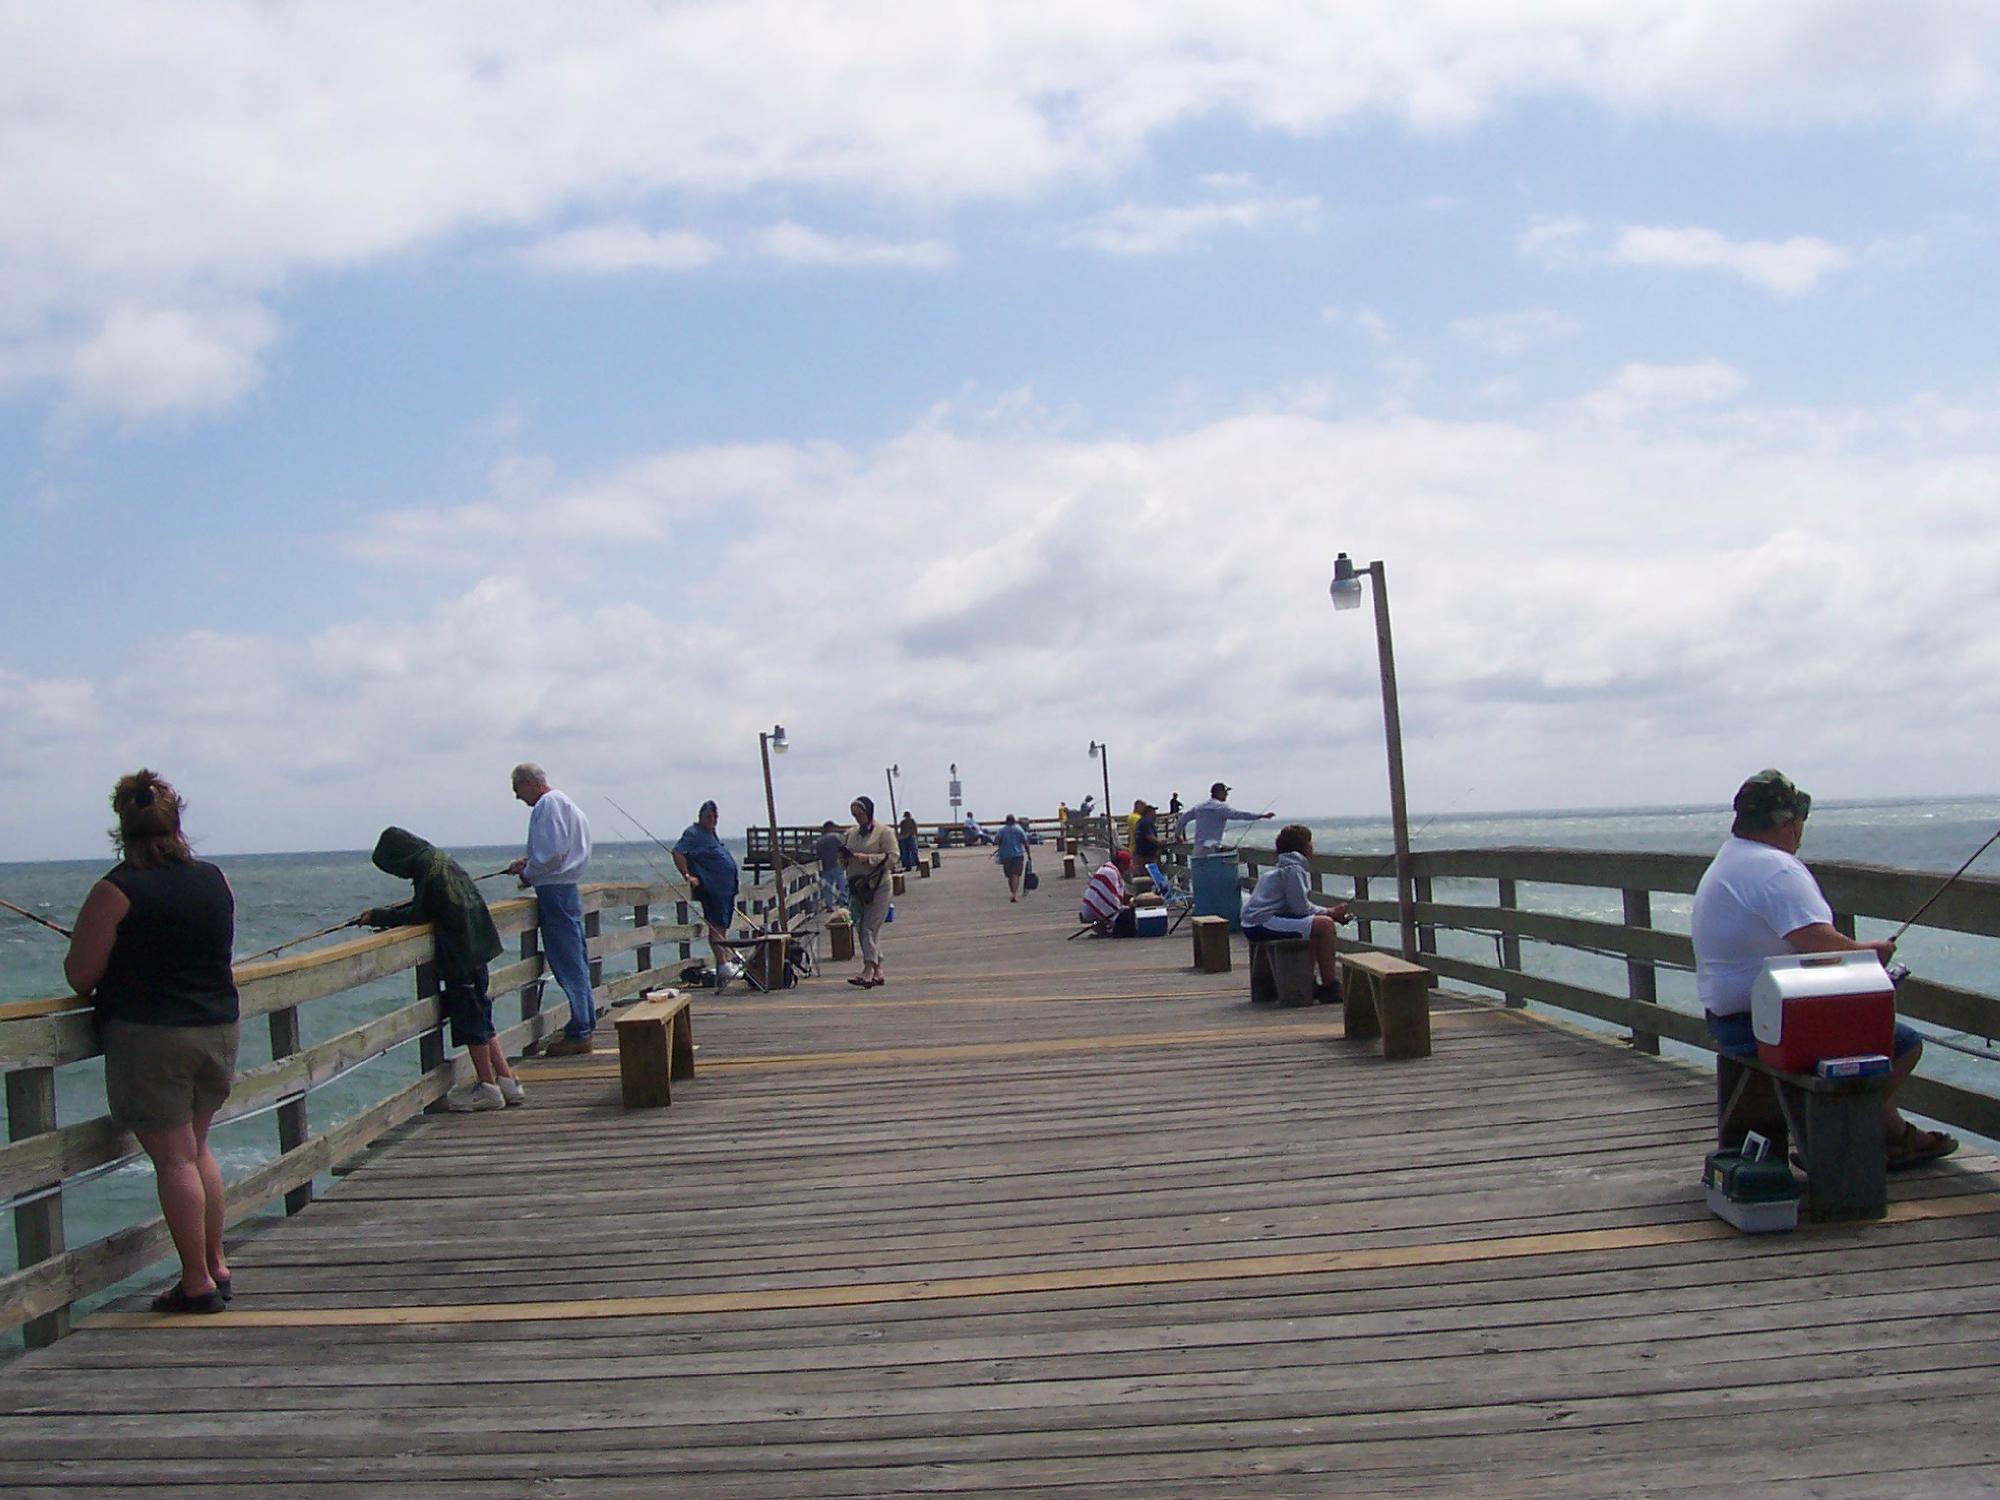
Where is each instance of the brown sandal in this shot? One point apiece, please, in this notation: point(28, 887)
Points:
point(1914, 1147)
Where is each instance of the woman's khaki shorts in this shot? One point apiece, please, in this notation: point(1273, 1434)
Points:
point(161, 1077)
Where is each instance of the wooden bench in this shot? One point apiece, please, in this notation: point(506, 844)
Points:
point(1833, 1125)
point(1211, 945)
point(1390, 997)
point(1281, 969)
point(655, 1046)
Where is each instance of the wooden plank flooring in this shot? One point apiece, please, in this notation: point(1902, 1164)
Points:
point(1048, 1219)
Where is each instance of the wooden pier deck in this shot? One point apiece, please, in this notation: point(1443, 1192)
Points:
point(1049, 1219)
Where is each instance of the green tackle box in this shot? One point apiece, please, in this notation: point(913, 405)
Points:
point(1749, 1190)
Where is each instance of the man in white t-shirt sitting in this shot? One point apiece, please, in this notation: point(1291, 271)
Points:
point(1757, 901)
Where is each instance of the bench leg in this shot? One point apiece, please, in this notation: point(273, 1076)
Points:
point(645, 1073)
point(1746, 1100)
point(681, 1064)
point(1361, 1019)
point(1847, 1170)
point(1403, 1006)
point(1263, 984)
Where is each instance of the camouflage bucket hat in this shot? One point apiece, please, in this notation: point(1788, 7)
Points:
point(1769, 800)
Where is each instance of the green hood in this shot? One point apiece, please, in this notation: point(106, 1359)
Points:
point(401, 853)
point(462, 932)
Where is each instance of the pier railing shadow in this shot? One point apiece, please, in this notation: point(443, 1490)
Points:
point(1540, 955)
point(647, 931)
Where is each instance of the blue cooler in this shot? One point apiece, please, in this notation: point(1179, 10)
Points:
point(1217, 892)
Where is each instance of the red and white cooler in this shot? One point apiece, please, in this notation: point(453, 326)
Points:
point(1807, 1006)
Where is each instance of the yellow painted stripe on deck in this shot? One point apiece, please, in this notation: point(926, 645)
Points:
point(946, 1288)
point(967, 1051)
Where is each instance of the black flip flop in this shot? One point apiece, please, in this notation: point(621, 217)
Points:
point(177, 1300)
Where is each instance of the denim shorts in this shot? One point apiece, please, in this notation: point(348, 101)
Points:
point(1735, 1038)
point(469, 1008)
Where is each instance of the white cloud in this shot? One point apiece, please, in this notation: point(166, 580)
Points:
point(1786, 268)
point(165, 158)
point(1515, 332)
point(1640, 389)
point(622, 246)
point(1160, 229)
point(795, 244)
point(1607, 584)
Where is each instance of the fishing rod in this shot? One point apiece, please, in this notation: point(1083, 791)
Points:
point(22, 911)
point(294, 942)
point(494, 874)
point(1936, 893)
point(686, 890)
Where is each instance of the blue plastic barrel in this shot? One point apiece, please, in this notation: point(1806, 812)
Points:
point(1216, 893)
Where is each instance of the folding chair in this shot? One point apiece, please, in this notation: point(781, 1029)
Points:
point(1179, 898)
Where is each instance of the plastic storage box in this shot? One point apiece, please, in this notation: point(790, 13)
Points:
point(1807, 1006)
point(1749, 1191)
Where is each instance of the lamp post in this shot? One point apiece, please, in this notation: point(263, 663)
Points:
point(766, 743)
point(1346, 592)
point(1102, 752)
point(890, 776)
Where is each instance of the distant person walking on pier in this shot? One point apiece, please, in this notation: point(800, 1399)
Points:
point(463, 941)
point(1756, 901)
point(1281, 907)
point(832, 881)
point(871, 849)
point(1010, 848)
point(710, 870)
point(1211, 868)
point(1106, 908)
point(151, 948)
point(906, 840)
point(558, 854)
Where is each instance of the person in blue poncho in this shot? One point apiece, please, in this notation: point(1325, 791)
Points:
point(710, 871)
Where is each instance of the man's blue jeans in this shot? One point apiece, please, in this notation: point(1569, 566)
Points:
point(562, 953)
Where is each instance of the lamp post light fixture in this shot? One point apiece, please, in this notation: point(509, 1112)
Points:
point(1102, 753)
point(766, 744)
point(1346, 591)
point(890, 776)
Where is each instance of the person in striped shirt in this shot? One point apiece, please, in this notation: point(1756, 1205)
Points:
point(1105, 906)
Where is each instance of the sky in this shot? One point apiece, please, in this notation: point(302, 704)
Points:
point(392, 393)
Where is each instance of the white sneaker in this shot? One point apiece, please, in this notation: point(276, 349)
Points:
point(511, 1091)
point(474, 1098)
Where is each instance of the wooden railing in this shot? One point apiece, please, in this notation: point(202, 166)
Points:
point(1629, 882)
point(38, 1037)
point(795, 840)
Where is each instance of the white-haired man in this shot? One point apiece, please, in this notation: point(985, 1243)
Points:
point(558, 853)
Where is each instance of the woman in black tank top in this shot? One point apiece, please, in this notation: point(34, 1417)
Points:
point(152, 950)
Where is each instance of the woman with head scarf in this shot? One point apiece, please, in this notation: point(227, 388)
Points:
point(709, 869)
point(871, 849)
point(152, 950)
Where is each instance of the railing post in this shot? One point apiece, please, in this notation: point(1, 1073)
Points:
point(38, 1226)
point(1843, 923)
point(593, 926)
point(1364, 930)
point(531, 992)
point(1642, 981)
point(642, 956)
point(1427, 935)
point(681, 919)
point(430, 1046)
point(1510, 943)
point(292, 1128)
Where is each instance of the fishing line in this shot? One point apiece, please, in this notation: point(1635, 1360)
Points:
point(1946, 886)
point(294, 942)
point(687, 891)
point(22, 911)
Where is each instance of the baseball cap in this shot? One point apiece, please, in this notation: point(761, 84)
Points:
point(1770, 800)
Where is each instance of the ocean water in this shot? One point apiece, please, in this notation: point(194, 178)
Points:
point(279, 896)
